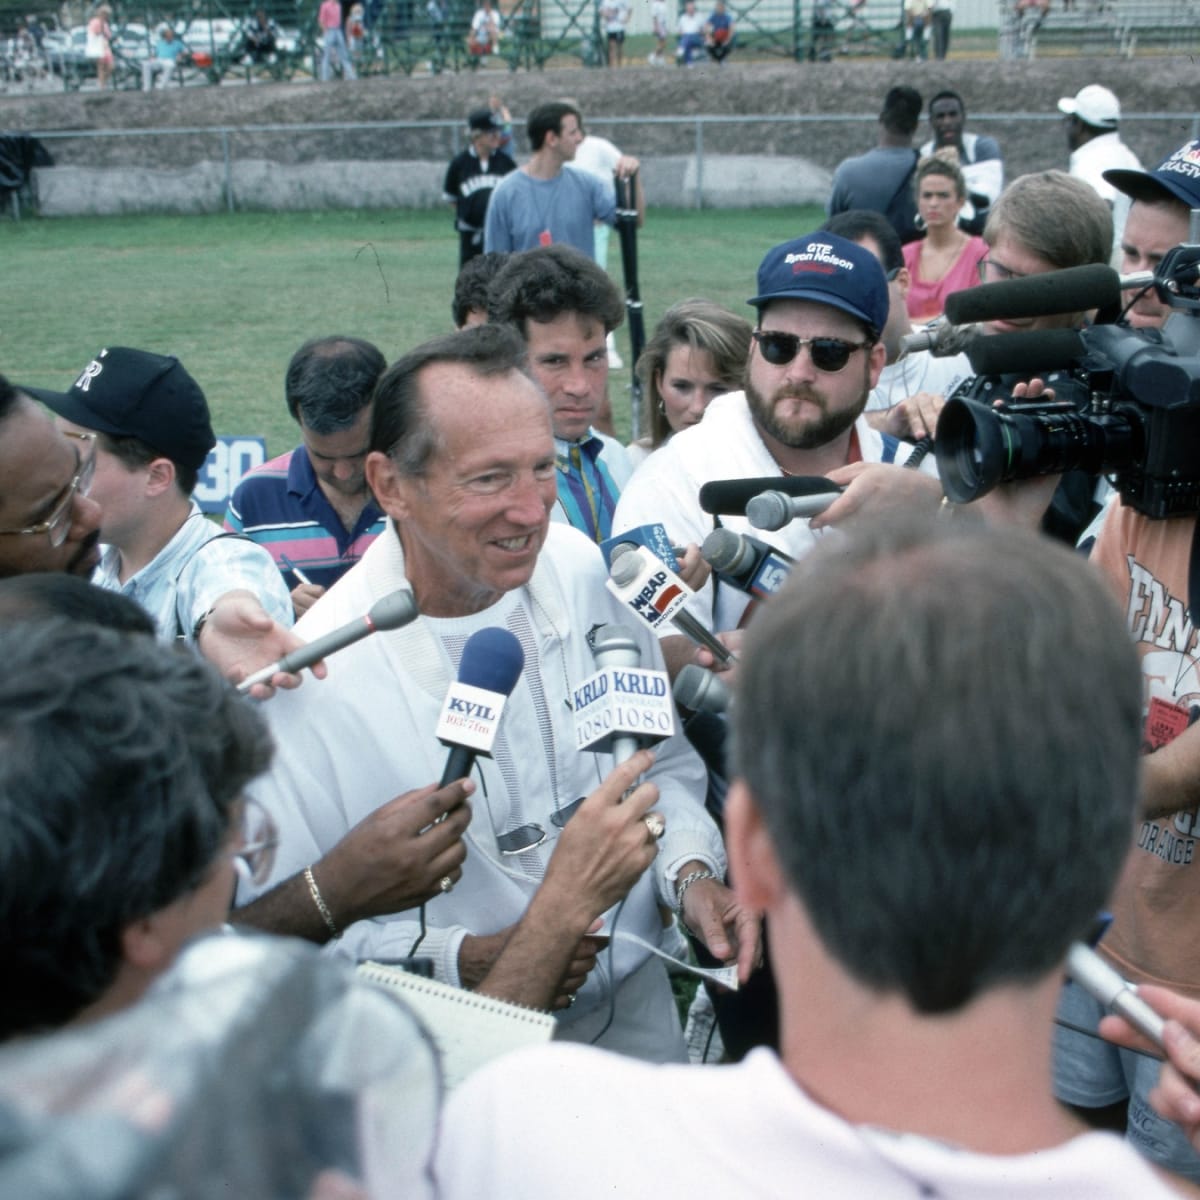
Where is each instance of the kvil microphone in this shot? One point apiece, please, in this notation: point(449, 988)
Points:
point(623, 706)
point(729, 497)
point(1025, 353)
point(491, 664)
point(701, 690)
point(1076, 289)
point(774, 510)
point(747, 563)
point(389, 613)
point(940, 338)
point(658, 595)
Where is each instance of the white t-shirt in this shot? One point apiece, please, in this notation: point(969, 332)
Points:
point(919, 372)
point(572, 1121)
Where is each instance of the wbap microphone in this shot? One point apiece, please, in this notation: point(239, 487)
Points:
point(491, 664)
point(389, 613)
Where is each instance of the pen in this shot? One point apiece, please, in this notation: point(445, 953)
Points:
point(295, 570)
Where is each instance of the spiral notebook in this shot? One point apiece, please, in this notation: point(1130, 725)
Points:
point(469, 1029)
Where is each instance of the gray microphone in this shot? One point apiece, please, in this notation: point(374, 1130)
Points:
point(774, 510)
point(391, 612)
point(701, 690)
point(615, 646)
point(1113, 991)
point(940, 338)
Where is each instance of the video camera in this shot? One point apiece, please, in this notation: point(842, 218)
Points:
point(1140, 424)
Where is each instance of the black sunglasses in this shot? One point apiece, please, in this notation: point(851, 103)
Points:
point(829, 354)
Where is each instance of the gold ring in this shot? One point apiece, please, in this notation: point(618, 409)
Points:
point(446, 884)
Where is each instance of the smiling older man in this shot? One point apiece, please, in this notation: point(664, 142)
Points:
point(462, 461)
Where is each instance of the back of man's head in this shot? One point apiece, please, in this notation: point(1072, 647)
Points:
point(330, 380)
point(548, 118)
point(471, 286)
point(122, 762)
point(548, 282)
point(54, 594)
point(1055, 216)
point(962, 845)
point(858, 223)
point(901, 112)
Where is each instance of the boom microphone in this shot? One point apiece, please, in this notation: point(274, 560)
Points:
point(729, 497)
point(701, 690)
point(1042, 350)
point(1074, 290)
point(773, 510)
point(940, 338)
point(748, 564)
point(391, 612)
point(491, 664)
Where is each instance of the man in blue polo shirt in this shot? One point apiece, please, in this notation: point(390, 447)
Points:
point(564, 306)
point(311, 508)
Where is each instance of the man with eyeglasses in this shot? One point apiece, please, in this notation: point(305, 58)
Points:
point(144, 425)
point(122, 770)
point(462, 460)
point(822, 306)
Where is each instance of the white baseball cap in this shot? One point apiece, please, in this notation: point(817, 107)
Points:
point(1093, 105)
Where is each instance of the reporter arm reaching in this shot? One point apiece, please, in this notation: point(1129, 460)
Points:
point(731, 932)
point(602, 852)
point(914, 417)
point(391, 860)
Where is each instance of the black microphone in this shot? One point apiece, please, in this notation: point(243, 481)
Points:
point(729, 497)
point(773, 510)
point(492, 662)
point(941, 339)
point(1026, 353)
point(701, 690)
point(745, 562)
point(389, 613)
point(1073, 290)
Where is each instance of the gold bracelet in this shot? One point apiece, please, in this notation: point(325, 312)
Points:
point(319, 901)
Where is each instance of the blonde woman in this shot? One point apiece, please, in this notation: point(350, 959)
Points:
point(946, 259)
point(98, 47)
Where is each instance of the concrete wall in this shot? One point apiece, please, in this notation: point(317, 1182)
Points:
point(68, 191)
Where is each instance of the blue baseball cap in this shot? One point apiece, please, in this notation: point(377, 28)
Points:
point(1177, 177)
point(825, 269)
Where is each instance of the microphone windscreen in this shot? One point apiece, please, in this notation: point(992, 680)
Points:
point(1026, 353)
point(1073, 290)
point(729, 497)
point(492, 660)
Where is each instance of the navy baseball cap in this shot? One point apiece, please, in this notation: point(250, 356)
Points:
point(132, 393)
point(825, 269)
point(1177, 177)
point(483, 120)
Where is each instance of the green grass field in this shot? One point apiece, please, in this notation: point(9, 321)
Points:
point(234, 295)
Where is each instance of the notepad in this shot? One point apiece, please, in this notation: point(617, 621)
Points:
point(469, 1029)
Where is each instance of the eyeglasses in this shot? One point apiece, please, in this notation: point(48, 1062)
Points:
point(258, 836)
point(829, 354)
point(990, 271)
point(58, 523)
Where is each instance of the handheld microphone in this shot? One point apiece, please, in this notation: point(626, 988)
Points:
point(1041, 350)
point(658, 595)
point(1076, 289)
point(941, 339)
point(1116, 993)
point(701, 690)
point(729, 497)
point(745, 562)
point(622, 706)
point(491, 664)
point(389, 613)
point(774, 510)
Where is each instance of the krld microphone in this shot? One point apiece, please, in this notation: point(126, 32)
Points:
point(623, 706)
point(391, 612)
point(729, 497)
point(701, 690)
point(1076, 289)
point(658, 595)
point(491, 664)
point(747, 563)
point(773, 510)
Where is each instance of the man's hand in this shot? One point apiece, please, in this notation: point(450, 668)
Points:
point(731, 932)
point(477, 955)
point(626, 166)
point(873, 488)
point(396, 857)
point(1175, 1097)
point(914, 417)
point(239, 637)
point(693, 569)
point(304, 596)
point(586, 953)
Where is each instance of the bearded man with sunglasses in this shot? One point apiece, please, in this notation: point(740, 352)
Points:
point(822, 304)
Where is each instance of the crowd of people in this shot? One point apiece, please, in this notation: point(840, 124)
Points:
point(891, 882)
